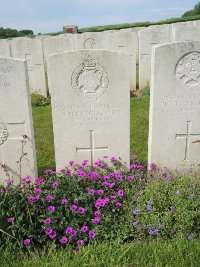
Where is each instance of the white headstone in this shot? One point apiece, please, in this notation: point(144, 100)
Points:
point(4, 48)
point(187, 33)
point(174, 128)
point(90, 92)
point(31, 50)
point(147, 39)
point(15, 121)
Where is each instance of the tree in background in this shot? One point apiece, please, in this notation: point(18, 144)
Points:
point(10, 33)
point(193, 12)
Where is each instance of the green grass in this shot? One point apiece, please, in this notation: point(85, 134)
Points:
point(44, 132)
point(132, 25)
point(152, 253)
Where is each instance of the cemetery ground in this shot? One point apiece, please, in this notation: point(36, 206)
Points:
point(144, 249)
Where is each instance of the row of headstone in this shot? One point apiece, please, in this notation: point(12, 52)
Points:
point(137, 42)
point(91, 108)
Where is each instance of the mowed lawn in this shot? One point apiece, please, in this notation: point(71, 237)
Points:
point(43, 129)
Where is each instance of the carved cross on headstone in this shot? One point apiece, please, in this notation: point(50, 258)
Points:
point(187, 138)
point(92, 149)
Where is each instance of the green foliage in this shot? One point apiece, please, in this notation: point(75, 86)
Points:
point(39, 100)
point(43, 131)
point(169, 205)
point(10, 33)
point(193, 12)
point(102, 193)
point(27, 32)
point(176, 252)
point(146, 91)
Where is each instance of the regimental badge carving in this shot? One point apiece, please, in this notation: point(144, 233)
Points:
point(188, 69)
point(3, 134)
point(90, 80)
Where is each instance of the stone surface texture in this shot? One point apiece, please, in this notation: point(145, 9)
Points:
point(90, 92)
point(174, 129)
point(32, 51)
point(15, 121)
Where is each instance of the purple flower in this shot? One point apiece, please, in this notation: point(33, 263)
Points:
point(10, 182)
point(91, 234)
point(64, 201)
point(68, 171)
point(47, 220)
point(97, 213)
point(130, 177)
point(112, 197)
point(120, 193)
point(154, 232)
point(81, 210)
point(37, 190)
point(80, 242)
point(11, 219)
point(91, 191)
point(26, 180)
point(93, 176)
point(81, 174)
point(100, 192)
point(52, 235)
point(112, 159)
point(64, 240)
point(152, 166)
point(177, 192)
point(84, 228)
point(135, 223)
point(172, 209)
point(55, 184)
point(136, 211)
point(191, 236)
point(73, 207)
point(84, 163)
point(118, 204)
point(149, 207)
point(51, 208)
point(69, 230)
point(71, 163)
point(111, 185)
point(33, 198)
point(96, 220)
point(27, 241)
point(39, 180)
point(49, 197)
point(134, 156)
point(48, 231)
point(49, 171)
point(73, 233)
point(99, 163)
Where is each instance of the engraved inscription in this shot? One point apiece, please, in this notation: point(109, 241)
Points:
point(92, 147)
point(90, 80)
point(3, 134)
point(4, 76)
point(97, 114)
point(89, 43)
point(181, 103)
point(188, 69)
point(187, 138)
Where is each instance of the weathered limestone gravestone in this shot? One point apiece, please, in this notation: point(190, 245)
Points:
point(15, 120)
point(174, 128)
point(4, 48)
point(31, 50)
point(187, 33)
point(90, 92)
point(147, 39)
